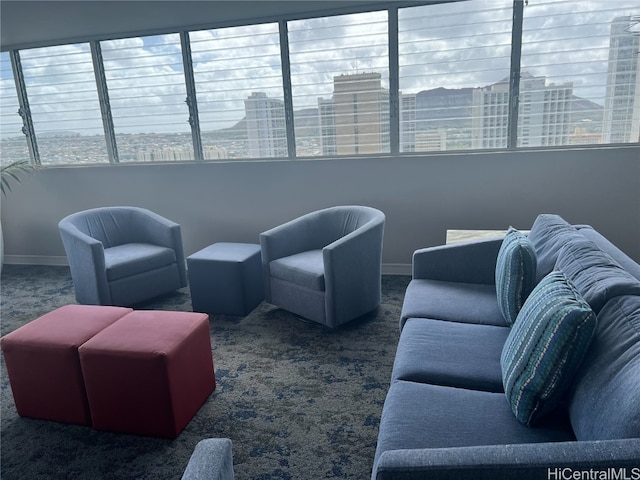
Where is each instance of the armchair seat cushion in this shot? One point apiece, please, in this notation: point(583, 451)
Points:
point(305, 269)
point(132, 258)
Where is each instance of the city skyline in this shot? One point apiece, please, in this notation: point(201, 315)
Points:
point(323, 49)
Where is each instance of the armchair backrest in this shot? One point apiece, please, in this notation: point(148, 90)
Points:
point(330, 224)
point(110, 225)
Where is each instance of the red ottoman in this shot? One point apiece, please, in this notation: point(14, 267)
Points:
point(149, 373)
point(43, 365)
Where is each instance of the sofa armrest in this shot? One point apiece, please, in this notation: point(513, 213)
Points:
point(469, 262)
point(532, 461)
point(212, 459)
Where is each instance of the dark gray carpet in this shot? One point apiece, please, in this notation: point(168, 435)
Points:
point(299, 401)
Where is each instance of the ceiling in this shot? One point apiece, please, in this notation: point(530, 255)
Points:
point(32, 23)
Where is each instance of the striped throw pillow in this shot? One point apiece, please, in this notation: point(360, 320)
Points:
point(545, 347)
point(515, 273)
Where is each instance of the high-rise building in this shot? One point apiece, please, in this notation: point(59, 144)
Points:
point(544, 115)
point(164, 154)
point(621, 121)
point(327, 113)
point(266, 126)
point(490, 113)
point(432, 141)
point(356, 119)
point(407, 122)
point(213, 153)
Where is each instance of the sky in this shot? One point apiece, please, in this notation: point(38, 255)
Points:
point(462, 44)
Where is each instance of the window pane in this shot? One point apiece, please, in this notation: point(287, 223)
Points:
point(64, 104)
point(145, 79)
point(238, 78)
point(580, 68)
point(13, 143)
point(340, 83)
point(454, 61)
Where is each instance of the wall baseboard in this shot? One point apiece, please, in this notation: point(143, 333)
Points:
point(36, 260)
point(396, 269)
point(56, 261)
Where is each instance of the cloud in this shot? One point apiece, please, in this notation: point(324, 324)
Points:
point(322, 48)
point(231, 63)
point(61, 88)
point(453, 45)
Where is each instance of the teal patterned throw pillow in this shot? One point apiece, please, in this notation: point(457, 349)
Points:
point(545, 347)
point(515, 273)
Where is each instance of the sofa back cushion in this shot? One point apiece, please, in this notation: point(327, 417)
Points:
point(604, 402)
point(596, 275)
point(548, 234)
point(515, 273)
point(605, 245)
point(545, 347)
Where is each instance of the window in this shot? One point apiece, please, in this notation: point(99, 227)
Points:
point(340, 83)
point(241, 92)
point(145, 80)
point(580, 72)
point(64, 104)
point(238, 81)
point(13, 144)
point(454, 64)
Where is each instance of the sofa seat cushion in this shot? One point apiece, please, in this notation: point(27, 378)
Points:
point(596, 275)
point(452, 301)
point(305, 269)
point(515, 273)
point(132, 258)
point(603, 403)
point(420, 415)
point(545, 347)
point(548, 234)
point(454, 354)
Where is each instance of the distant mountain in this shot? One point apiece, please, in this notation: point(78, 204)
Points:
point(307, 122)
point(449, 107)
point(439, 107)
point(583, 110)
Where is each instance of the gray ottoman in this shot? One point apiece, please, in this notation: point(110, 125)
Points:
point(226, 278)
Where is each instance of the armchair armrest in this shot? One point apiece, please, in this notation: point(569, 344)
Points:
point(277, 242)
point(469, 262)
point(158, 230)
point(86, 261)
point(211, 459)
point(153, 228)
point(295, 236)
point(534, 461)
point(355, 259)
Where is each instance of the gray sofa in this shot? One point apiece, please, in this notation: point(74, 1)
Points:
point(212, 459)
point(446, 414)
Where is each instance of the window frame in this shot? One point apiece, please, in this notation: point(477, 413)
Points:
point(395, 147)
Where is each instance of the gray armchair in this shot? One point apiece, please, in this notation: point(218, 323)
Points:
point(326, 265)
point(122, 255)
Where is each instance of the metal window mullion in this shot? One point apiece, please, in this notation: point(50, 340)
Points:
point(24, 111)
point(394, 82)
point(286, 87)
point(190, 83)
point(103, 97)
point(514, 77)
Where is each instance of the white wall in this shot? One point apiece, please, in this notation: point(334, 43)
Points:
point(422, 196)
